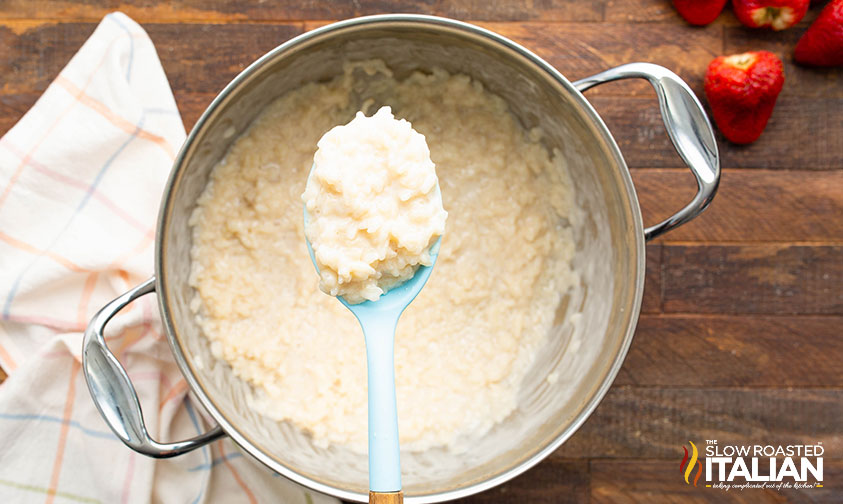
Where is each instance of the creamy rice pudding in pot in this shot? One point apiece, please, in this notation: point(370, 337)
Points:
point(465, 344)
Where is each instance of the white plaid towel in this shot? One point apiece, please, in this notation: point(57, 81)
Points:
point(81, 176)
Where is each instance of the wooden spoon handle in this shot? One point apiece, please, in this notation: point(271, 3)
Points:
point(386, 497)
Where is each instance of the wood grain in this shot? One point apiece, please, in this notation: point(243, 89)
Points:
point(184, 51)
point(790, 140)
point(741, 351)
point(750, 206)
point(554, 481)
point(386, 498)
point(652, 301)
point(232, 11)
point(521, 10)
point(582, 49)
point(780, 279)
point(36, 54)
point(208, 11)
point(35, 57)
point(31, 60)
point(13, 107)
point(659, 481)
point(191, 106)
point(656, 422)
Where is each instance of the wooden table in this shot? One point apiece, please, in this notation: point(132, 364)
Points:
point(740, 335)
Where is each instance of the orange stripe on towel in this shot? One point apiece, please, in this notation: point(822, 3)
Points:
point(237, 478)
point(32, 250)
point(125, 125)
point(87, 291)
point(178, 388)
point(65, 426)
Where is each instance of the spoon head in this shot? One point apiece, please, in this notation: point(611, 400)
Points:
point(398, 298)
point(395, 299)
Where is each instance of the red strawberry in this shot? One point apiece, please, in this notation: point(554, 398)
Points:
point(699, 12)
point(777, 14)
point(742, 91)
point(822, 44)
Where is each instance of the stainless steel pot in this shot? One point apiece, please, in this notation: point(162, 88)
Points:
point(595, 322)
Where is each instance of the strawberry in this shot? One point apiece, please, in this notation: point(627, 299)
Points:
point(822, 44)
point(742, 90)
point(777, 14)
point(699, 12)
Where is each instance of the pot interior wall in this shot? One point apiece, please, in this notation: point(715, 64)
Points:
point(592, 321)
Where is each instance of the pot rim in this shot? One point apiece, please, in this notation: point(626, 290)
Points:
point(598, 126)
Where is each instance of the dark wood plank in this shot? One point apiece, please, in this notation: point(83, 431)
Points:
point(184, 50)
point(582, 49)
point(34, 57)
point(521, 10)
point(791, 140)
point(35, 54)
point(750, 206)
point(216, 11)
point(741, 351)
point(764, 279)
point(659, 481)
point(652, 301)
point(656, 422)
point(30, 60)
point(209, 11)
point(191, 106)
point(3, 375)
point(13, 107)
point(552, 481)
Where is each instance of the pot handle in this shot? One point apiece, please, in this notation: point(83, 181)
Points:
point(686, 124)
point(113, 392)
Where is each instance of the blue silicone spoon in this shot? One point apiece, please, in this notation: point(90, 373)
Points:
point(378, 320)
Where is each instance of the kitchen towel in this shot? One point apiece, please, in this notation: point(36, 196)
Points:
point(81, 176)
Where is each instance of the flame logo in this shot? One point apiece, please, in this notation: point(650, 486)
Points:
point(691, 464)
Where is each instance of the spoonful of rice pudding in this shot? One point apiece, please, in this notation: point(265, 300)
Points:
point(373, 219)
